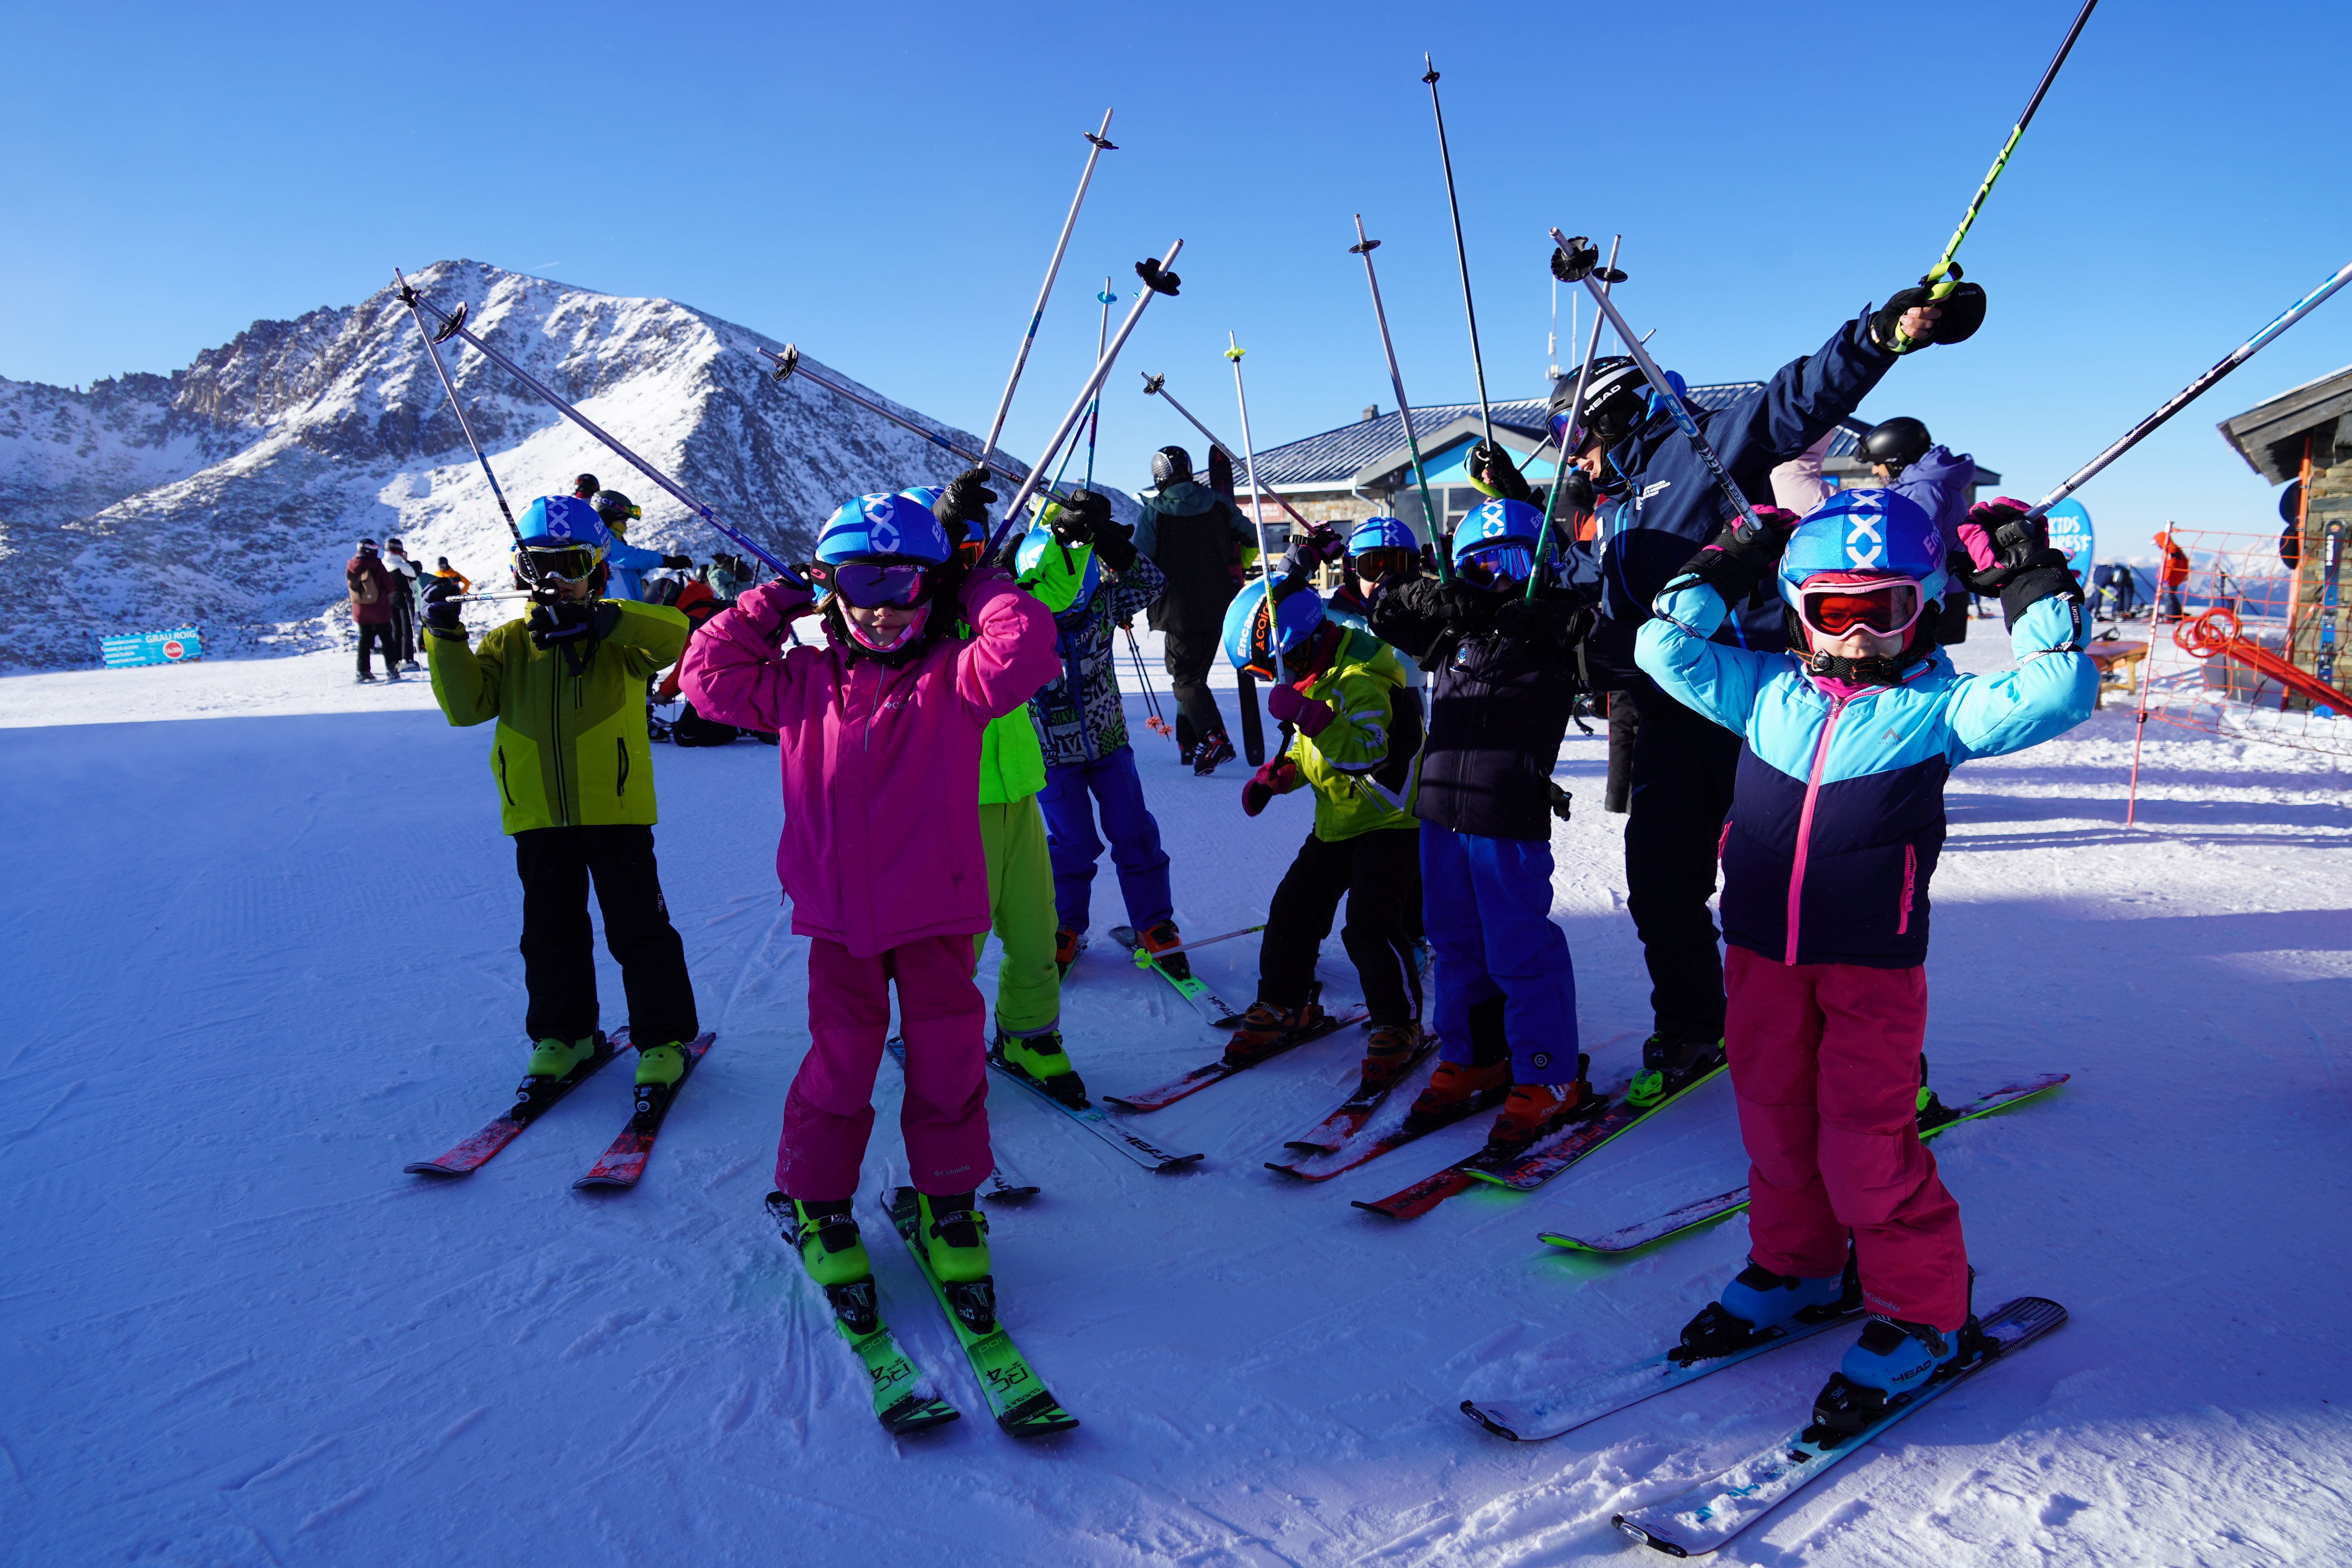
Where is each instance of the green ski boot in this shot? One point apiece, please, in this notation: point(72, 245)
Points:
point(1043, 1059)
point(827, 1234)
point(661, 1064)
point(1668, 1065)
point(556, 1058)
point(954, 1235)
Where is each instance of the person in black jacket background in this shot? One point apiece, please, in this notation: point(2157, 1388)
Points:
point(1503, 685)
point(1195, 536)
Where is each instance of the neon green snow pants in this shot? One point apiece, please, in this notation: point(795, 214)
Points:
point(1021, 900)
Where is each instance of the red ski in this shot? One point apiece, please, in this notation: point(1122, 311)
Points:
point(532, 1101)
point(624, 1161)
point(1357, 1108)
point(1345, 1158)
point(1217, 1071)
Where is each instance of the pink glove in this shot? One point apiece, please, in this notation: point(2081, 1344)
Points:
point(774, 604)
point(1289, 707)
point(1279, 776)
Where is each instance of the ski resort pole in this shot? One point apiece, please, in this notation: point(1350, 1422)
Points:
point(1094, 415)
point(1945, 276)
point(1156, 280)
point(1571, 433)
point(2196, 389)
point(1477, 362)
point(1574, 248)
point(1233, 351)
point(788, 364)
point(1436, 519)
point(1096, 145)
point(408, 297)
point(453, 325)
point(1157, 385)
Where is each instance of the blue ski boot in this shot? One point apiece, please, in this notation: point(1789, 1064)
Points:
point(1757, 1301)
point(1887, 1367)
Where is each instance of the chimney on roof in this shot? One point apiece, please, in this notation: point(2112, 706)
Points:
point(1372, 412)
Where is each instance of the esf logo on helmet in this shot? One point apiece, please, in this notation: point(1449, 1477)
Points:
point(881, 523)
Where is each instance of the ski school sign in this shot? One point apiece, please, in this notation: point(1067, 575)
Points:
point(179, 646)
point(2070, 535)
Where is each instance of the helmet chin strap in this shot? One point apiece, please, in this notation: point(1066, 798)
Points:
point(1878, 669)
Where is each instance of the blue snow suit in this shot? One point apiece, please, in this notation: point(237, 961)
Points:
point(1941, 483)
point(1837, 816)
point(630, 562)
point(1667, 506)
point(1081, 724)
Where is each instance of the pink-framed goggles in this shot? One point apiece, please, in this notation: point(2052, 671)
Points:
point(1833, 603)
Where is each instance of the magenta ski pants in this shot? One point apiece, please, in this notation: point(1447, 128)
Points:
point(829, 1113)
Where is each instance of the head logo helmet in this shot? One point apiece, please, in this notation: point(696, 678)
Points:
point(1497, 522)
point(1247, 640)
point(1898, 443)
point(1870, 530)
point(1032, 549)
point(563, 520)
point(1617, 400)
point(1171, 465)
point(1380, 533)
point(877, 527)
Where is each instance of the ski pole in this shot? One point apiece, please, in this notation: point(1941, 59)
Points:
point(1156, 280)
point(408, 297)
point(453, 325)
point(1156, 724)
point(1144, 956)
point(1096, 145)
point(1094, 415)
point(1574, 429)
point(1438, 544)
point(1478, 364)
point(1233, 351)
point(2196, 389)
point(1578, 248)
point(788, 363)
point(1157, 385)
point(1945, 276)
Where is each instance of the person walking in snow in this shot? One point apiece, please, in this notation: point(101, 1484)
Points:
point(1503, 685)
point(1195, 536)
point(1082, 723)
point(460, 583)
point(1358, 730)
point(1835, 832)
point(1658, 503)
point(880, 736)
point(405, 575)
point(372, 593)
point(575, 783)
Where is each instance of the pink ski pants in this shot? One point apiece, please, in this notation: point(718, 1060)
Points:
point(1825, 1064)
point(829, 1113)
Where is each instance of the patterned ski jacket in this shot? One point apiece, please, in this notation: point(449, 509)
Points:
point(1365, 766)
point(1837, 816)
point(1077, 715)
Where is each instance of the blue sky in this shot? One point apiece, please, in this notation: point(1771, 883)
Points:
point(883, 183)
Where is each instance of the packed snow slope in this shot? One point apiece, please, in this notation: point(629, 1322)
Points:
point(229, 493)
point(260, 929)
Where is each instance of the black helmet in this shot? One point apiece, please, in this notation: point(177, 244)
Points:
point(617, 510)
point(585, 486)
point(1898, 443)
point(1616, 400)
point(1171, 465)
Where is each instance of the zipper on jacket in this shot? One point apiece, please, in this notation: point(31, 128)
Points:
point(1910, 883)
point(1805, 825)
point(500, 753)
point(621, 785)
point(555, 739)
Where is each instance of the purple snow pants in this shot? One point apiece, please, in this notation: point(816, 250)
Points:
point(829, 1113)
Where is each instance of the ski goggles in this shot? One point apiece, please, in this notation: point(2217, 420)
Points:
point(871, 585)
point(565, 564)
point(1493, 564)
point(1834, 609)
point(1385, 563)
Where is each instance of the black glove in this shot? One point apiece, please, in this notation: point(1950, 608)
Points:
point(1963, 312)
point(1115, 544)
point(1080, 519)
point(1314, 547)
point(1737, 560)
point(571, 622)
point(677, 563)
point(965, 501)
point(2025, 568)
point(442, 617)
point(1576, 493)
point(1468, 611)
point(1492, 469)
point(1553, 623)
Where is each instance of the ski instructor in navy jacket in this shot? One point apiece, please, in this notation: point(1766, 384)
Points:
point(1658, 506)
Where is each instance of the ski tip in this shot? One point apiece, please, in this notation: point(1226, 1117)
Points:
point(1640, 1537)
point(1036, 1416)
point(1470, 1408)
point(604, 1183)
point(434, 1168)
point(923, 1415)
point(1011, 1195)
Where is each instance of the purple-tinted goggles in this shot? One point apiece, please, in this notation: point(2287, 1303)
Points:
point(869, 585)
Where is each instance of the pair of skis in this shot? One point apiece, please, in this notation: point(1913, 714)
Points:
point(1186, 1085)
point(1017, 1397)
point(621, 1163)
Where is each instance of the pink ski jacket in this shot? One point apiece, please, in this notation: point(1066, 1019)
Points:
point(881, 766)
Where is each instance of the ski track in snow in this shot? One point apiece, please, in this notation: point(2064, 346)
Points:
point(262, 926)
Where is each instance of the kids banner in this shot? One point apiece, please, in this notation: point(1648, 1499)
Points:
point(176, 646)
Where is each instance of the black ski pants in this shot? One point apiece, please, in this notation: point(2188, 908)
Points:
point(559, 947)
point(1683, 769)
point(381, 634)
point(403, 624)
point(1189, 659)
point(1379, 873)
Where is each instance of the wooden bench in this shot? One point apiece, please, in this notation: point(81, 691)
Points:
point(2119, 662)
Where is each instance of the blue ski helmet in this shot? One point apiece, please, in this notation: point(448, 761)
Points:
point(1497, 522)
point(1296, 618)
point(559, 521)
point(1875, 531)
point(1380, 533)
point(1032, 549)
point(877, 527)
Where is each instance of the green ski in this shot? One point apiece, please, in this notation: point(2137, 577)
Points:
point(901, 1401)
point(1016, 1395)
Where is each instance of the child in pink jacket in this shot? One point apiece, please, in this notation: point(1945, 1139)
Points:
point(879, 733)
